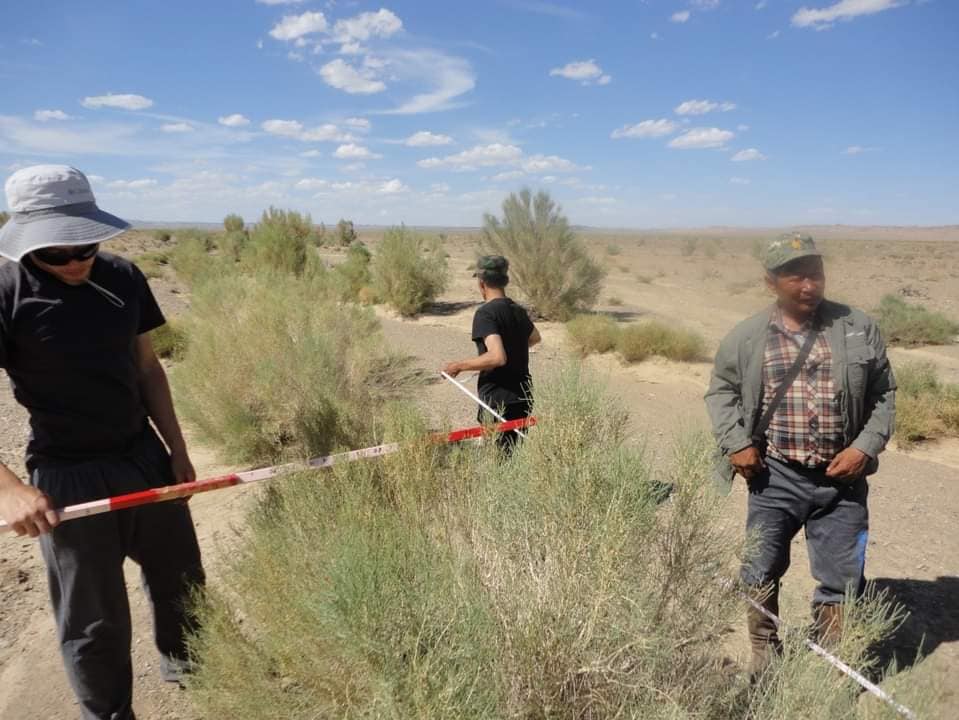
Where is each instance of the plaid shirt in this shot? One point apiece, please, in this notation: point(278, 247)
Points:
point(807, 426)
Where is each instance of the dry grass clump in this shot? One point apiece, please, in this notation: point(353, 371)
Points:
point(593, 333)
point(926, 407)
point(153, 264)
point(409, 270)
point(452, 583)
point(909, 325)
point(352, 278)
point(275, 368)
point(170, 339)
point(191, 257)
point(638, 342)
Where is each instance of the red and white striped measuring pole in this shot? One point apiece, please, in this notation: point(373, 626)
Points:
point(172, 492)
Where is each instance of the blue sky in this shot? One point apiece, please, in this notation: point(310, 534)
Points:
point(632, 114)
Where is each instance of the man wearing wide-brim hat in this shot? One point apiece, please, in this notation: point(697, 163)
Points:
point(802, 401)
point(74, 340)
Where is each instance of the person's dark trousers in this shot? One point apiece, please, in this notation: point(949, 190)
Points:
point(84, 561)
point(511, 411)
point(785, 499)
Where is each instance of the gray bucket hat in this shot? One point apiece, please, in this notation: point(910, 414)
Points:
point(53, 205)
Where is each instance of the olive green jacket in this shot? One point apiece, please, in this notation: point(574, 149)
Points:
point(859, 365)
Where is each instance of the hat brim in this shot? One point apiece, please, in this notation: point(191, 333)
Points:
point(799, 255)
point(25, 232)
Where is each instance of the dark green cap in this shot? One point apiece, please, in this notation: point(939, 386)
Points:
point(786, 248)
point(494, 267)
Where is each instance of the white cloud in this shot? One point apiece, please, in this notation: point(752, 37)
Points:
point(823, 18)
point(508, 175)
point(449, 76)
point(760, 5)
point(364, 26)
point(773, 35)
point(701, 139)
point(857, 150)
point(392, 187)
point(498, 154)
point(654, 36)
point(283, 128)
point(312, 184)
point(357, 123)
point(177, 127)
point(295, 129)
point(234, 120)
point(122, 102)
point(292, 27)
point(742, 128)
point(478, 156)
point(598, 200)
point(548, 163)
point(679, 17)
point(704, 4)
point(645, 129)
point(44, 115)
point(439, 188)
point(352, 151)
point(142, 184)
point(325, 133)
point(311, 154)
point(739, 181)
point(701, 107)
point(343, 76)
point(748, 154)
point(425, 138)
point(585, 71)
point(279, 2)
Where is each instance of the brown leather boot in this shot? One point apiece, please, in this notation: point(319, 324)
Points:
point(763, 637)
point(827, 624)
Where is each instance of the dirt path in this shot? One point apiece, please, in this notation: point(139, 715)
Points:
point(913, 549)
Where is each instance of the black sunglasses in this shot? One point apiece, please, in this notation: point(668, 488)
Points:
point(61, 256)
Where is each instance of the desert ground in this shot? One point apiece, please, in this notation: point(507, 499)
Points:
point(706, 280)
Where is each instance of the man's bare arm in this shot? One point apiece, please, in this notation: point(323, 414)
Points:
point(535, 338)
point(27, 510)
point(494, 357)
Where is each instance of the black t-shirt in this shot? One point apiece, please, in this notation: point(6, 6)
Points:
point(510, 383)
point(70, 353)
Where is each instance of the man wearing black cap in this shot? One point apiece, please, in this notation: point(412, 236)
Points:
point(503, 334)
point(74, 340)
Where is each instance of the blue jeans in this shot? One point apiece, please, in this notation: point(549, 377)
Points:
point(785, 499)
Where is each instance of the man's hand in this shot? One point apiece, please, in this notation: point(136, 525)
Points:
point(183, 471)
point(452, 369)
point(748, 462)
point(848, 466)
point(27, 510)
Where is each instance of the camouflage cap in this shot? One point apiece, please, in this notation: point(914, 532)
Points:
point(491, 266)
point(786, 248)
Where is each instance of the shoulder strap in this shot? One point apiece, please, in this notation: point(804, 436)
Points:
point(787, 382)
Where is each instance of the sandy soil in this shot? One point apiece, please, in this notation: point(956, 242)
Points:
point(707, 283)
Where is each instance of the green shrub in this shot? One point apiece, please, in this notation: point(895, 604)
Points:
point(152, 264)
point(282, 241)
point(277, 369)
point(170, 340)
point(232, 245)
point(688, 248)
point(926, 407)
point(233, 223)
point(409, 271)
point(638, 342)
point(353, 274)
point(162, 235)
point(191, 257)
point(437, 584)
point(593, 333)
point(613, 249)
point(614, 301)
point(345, 234)
point(905, 324)
point(548, 263)
point(645, 279)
